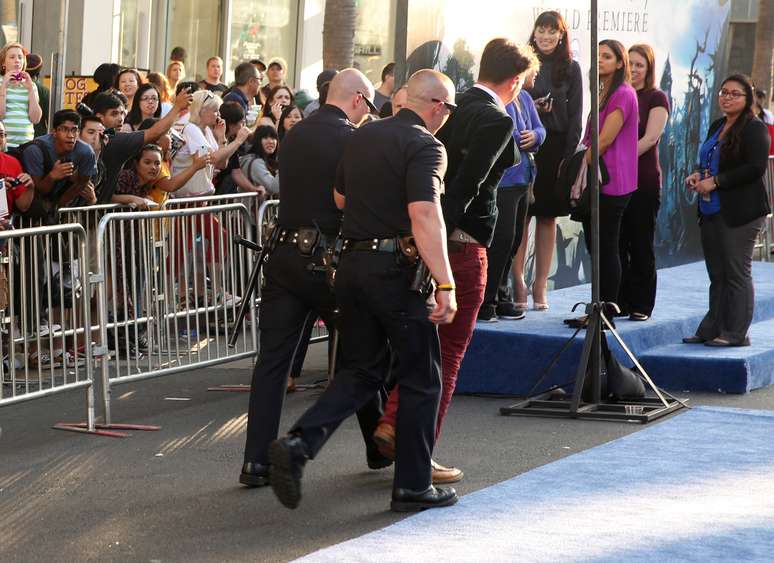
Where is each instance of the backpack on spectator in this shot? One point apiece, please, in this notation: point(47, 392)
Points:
point(42, 206)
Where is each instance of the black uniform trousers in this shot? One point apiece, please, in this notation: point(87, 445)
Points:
point(292, 295)
point(638, 261)
point(378, 312)
point(512, 204)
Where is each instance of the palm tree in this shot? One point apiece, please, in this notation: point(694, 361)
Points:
point(339, 33)
point(764, 45)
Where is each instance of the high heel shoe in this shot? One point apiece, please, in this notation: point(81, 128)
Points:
point(521, 305)
point(538, 305)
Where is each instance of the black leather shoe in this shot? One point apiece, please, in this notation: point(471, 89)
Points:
point(377, 461)
point(254, 474)
point(287, 457)
point(487, 314)
point(510, 312)
point(694, 340)
point(577, 322)
point(406, 500)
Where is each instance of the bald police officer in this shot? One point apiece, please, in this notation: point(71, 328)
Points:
point(389, 183)
point(296, 288)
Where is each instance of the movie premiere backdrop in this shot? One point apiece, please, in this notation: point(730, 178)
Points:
point(690, 40)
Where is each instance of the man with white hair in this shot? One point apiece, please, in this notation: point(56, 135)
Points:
point(389, 184)
point(296, 285)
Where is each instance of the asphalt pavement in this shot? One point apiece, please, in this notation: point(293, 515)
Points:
point(173, 495)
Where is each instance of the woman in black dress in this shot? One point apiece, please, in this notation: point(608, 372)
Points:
point(558, 95)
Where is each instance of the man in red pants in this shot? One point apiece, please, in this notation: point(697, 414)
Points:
point(479, 142)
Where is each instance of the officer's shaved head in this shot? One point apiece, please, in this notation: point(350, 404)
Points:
point(428, 91)
point(347, 83)
point(349, 91)
point(427, 84)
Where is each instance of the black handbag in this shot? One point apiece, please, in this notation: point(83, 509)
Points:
point(580, 209)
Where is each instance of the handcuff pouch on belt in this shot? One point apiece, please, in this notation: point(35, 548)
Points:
point(422, 280)
point(308, 240)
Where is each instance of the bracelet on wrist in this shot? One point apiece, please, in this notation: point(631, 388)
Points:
point(445, 287)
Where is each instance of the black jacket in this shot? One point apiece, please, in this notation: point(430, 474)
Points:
point(480, 147)
point(740, 181)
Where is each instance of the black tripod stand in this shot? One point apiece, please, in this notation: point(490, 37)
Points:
point(596, 406)
point(588, 382)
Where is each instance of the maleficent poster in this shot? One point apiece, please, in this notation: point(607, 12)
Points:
point(690, 40)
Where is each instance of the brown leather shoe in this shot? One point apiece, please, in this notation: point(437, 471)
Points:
point(443, 475)
point(384, 436)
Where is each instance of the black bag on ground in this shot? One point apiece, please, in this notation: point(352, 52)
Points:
point(618, 382)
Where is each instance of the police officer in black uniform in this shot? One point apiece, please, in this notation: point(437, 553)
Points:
point(295, 280)
point(389, 183)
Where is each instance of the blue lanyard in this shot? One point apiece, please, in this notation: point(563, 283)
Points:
point(708, 162)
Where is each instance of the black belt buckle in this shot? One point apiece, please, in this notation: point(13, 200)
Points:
point(307, 240)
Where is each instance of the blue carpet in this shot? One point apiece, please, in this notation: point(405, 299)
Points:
point(697, 487)
point(507, 357)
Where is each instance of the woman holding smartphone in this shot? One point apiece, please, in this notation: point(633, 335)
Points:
point(19, 107)
point(732, 207)
point(558, 96)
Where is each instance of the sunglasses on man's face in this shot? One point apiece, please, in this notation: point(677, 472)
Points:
point(449, 105)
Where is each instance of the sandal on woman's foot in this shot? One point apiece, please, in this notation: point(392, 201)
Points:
point(722, 342)
point(539, 305)
point(638, 317)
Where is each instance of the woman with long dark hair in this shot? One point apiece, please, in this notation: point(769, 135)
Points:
point(637, 295)
point(128, 80)
point(558, 96)
point(260, 165)
point(732, 206)
point(618, 117)
point(278, 99)
point(288, 118)
point(148, 105)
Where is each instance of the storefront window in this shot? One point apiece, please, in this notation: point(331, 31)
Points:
point(262, 29)
point(9, 14)
point(125, 16)
point(374, 37)
point(195, 26)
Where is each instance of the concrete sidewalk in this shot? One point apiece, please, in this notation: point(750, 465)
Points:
point(173, 495)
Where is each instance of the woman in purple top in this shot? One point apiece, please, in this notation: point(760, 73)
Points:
point(637, 294)
point(618, 115)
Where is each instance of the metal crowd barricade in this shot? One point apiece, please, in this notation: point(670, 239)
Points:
point(249, 199)
point(45, 316)
point(167, 292)
point(764, 244)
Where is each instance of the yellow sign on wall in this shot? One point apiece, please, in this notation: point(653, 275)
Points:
point(75, 88)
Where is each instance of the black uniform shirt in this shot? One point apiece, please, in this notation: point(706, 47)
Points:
point(387, 165)
point(309, 155)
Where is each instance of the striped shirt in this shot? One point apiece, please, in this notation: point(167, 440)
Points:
point(18, 126)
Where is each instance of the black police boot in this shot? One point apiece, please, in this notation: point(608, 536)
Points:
point(406, 500)
point(287, 457)
point(254, 474)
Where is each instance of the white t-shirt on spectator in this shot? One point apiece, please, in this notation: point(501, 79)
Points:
point(196, 142)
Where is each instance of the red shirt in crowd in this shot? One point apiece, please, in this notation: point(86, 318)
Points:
point(11, 168)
